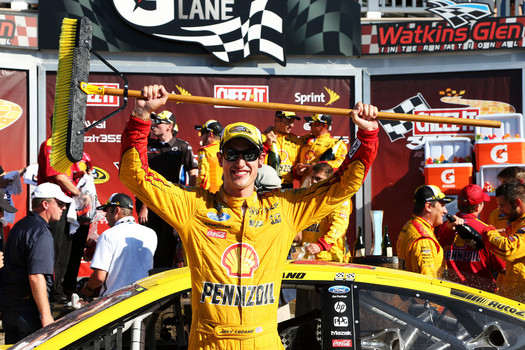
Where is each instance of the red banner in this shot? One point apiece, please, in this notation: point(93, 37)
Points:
point(398, 169)
point(103, 142)
point(14, 128)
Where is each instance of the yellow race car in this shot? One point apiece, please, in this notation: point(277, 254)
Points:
point(346, 306)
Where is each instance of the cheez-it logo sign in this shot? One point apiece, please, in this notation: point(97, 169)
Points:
point(106, 100)
point(255, 93)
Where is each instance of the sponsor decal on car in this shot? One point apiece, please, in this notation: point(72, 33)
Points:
point(340, 307)
point(294, 275)
point(340, 321)
point(339, 289)
point(341, 343)
point(486, 302)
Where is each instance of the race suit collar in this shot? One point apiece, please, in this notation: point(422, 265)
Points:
point(324, 136)
point(237, 202)
point(422, 221)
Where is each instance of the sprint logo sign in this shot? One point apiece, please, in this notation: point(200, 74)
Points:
point(327, 98)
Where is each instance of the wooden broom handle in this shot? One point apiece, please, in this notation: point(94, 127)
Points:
point(304, 109)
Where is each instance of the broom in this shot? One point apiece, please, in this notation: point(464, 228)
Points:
point(70, 130)
point(69, 111)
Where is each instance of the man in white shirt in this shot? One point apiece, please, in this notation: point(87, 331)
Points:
point(124, 253)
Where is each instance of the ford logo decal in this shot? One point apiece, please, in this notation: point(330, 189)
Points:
point(339, 289)
point(219, 217)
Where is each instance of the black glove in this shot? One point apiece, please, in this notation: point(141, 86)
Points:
point(467, 232)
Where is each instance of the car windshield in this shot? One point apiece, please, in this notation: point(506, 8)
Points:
point(77, 316)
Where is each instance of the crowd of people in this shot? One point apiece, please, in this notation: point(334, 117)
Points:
point(488, 256)
point(208, 210)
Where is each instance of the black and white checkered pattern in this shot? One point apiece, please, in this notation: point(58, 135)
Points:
point(323, 27)
point(460, 13)
point(396, 129)
point(235, 39)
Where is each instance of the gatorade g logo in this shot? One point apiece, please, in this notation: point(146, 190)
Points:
point(499, 154)
point(240, 260)
point(448, 177)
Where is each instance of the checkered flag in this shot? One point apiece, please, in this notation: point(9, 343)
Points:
point(459, 14)
point(237, 38)
point(396, 129)
point(323, 27)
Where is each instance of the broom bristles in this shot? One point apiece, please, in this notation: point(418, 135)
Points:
point(70, 102)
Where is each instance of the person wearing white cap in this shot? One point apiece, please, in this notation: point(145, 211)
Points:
point(28, 270)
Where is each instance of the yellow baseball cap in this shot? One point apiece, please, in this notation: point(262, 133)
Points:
point(287, 115)
point(319, 118)
point(241, 130)
point(165, 117)
point(430, 193)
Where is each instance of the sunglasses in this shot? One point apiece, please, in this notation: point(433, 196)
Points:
point(60, 204)
point(248, 155)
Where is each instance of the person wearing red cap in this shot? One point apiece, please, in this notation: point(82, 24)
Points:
point(465, 262)
point(510, 245)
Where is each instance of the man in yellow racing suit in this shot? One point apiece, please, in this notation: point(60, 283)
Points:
point(510, 245)
point(287, 145)
point(417, 245)
point(315, 145)
point(237, 240)
point(496, 217)
point(327, 237)
point(210, 173)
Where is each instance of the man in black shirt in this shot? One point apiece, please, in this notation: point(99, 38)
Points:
point(172, 158)
point(28, 272)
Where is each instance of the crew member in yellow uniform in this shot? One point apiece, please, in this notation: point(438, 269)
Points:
point(288, 144)
point(510, 246)
point(327, 237)
point(315, 145)
point(210, 172)
point(496, 217)
point(417, 245)
point(237, 240)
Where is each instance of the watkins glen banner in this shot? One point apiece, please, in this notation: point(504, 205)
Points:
point(466, 27)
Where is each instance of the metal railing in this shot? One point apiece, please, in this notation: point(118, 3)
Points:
point(18, 4)
point(409, 8)
point(369, 8)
